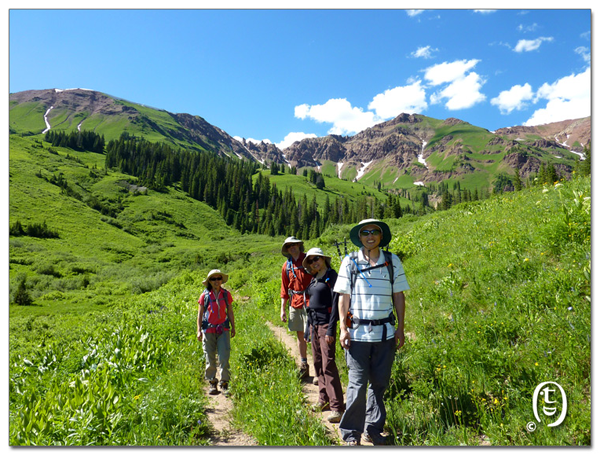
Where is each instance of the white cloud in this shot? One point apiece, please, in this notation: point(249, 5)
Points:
point(443, 73)
point(345, 118)
point(515, 98)
point(414, 12)
point(293, 137)
point(568, 98)
point(585, 54)
point(484, 11)
point(463, 93)
point(249, 139)
point(409, 99)
point(462, 88)
point(423, 52)
point(527, 28)
point(526, 45)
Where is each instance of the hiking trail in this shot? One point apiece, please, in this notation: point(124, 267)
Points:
point(311, 391)
point(223, 433)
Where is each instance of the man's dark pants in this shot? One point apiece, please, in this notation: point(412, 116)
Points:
point(368, 364)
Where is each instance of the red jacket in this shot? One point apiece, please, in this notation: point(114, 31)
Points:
point(296, 279)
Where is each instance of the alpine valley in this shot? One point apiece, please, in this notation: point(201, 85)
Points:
point(118, 211)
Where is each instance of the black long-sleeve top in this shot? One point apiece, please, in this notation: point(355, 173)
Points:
point(323, 302)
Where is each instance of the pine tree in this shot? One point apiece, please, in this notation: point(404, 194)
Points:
point(517, 183)
point(22, 296)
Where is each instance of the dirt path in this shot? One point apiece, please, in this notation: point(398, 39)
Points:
point(310, 390)
point(223, 433)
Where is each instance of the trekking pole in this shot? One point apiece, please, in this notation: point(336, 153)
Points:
point(360, 271)
point(337, 244)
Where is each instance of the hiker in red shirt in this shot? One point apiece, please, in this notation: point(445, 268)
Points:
point(216, 326)
point(294, 281)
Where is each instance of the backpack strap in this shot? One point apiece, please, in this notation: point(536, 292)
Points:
point(354, 271)
point(205, 323)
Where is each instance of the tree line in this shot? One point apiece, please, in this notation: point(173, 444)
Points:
point(247, 203)
point(77, 140)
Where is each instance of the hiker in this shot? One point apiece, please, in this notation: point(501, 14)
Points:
point(371, 284)
point(294, 281)
point(216, 325)
point(322, 314)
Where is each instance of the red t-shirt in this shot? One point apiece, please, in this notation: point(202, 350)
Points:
point(295, 278)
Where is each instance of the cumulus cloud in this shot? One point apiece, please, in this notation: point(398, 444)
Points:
point(345, 118)
point(423, 52)
point(516, 98)
point(293, 137)
point(567, 98)
point(463, 93)
point(409, 99)
point(527, 45)
point(462, 88)
point(449, 72)
point(249, 139)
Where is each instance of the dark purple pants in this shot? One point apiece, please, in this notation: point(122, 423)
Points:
point(330, 386)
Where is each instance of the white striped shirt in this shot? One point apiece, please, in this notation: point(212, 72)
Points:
point(372, 295)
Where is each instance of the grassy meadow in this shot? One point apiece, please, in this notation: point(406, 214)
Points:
point(106, 352)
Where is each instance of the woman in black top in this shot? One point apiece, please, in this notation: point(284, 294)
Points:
point(322, 320)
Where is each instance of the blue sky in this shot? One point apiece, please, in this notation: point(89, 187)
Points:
point(281, 75)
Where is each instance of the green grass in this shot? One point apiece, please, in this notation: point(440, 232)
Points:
point(107, 355)
point(499, 302)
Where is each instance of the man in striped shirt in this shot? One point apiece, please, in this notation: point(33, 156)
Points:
point(371, 284)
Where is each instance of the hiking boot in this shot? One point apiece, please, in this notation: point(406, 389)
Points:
point(375, 440)
point(303, 372)
point(352, 443)
point(315, 381)
point(334, 417)
point(320, 407)
point(225, 388)
point(212, 388)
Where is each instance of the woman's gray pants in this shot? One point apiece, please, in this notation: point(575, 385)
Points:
point(217, 345)
point(365, 410)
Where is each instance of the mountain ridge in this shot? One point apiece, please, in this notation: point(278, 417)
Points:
point(409, 149)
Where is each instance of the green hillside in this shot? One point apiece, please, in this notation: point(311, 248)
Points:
point(103, 312)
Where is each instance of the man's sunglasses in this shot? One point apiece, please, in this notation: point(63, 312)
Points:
point(216, 278)
point(366, 232)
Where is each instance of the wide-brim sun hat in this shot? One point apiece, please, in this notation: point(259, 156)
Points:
point(386, 236)
point(216, 272)
point(316, 252)
point(289, 241)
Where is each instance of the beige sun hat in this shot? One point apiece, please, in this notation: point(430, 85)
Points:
point(288, 242)
point(216, 272)
point(316, 252)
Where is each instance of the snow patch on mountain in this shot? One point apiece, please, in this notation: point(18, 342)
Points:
point(361, 171)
